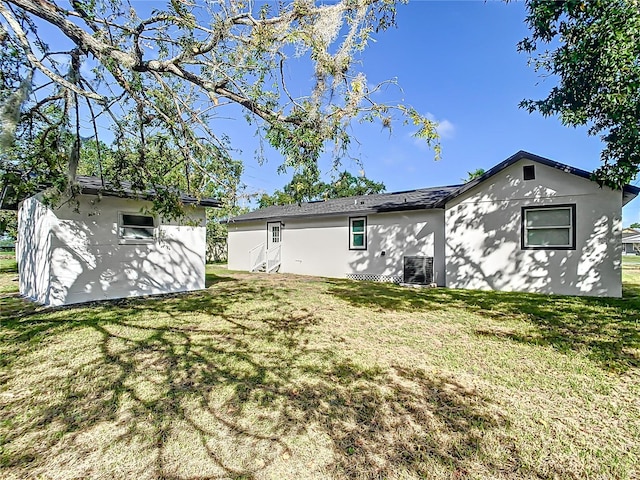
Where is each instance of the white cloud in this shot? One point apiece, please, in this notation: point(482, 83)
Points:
point(445, 128)
point(421, 143)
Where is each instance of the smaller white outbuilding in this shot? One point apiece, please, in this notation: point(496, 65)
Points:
point(107, 246)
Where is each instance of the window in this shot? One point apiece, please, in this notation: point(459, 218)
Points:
point(551, 228)
point(529, 172)
point(358, 233)
point(275, 234)
point(136, 228)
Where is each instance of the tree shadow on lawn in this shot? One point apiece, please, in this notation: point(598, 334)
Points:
point(221, 392)
point(211, 278)
point(607, 328)
point(8, 263)
point(8, 267)
point(16, 311)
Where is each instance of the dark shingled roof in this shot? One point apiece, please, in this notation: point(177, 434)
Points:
point(424, 198)
point(93, 186)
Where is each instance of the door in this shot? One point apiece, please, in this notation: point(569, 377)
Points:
point(274, 234)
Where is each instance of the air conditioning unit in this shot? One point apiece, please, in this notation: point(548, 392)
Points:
point(418, 270)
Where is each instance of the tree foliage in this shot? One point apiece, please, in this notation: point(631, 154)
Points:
point(8, 224)
point(593, 48)
point(307, 187)
point(163, 81)
point(478, 172)
point(217, 231)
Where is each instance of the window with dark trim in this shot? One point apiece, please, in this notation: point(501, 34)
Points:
point(357, 233)
point(551, 227)
point(136, 228)
point(529, 172)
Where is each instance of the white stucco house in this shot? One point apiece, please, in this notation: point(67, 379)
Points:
point(107, 246)
point(528, 224)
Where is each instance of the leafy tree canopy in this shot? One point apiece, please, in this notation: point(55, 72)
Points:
point(164, 80)
point(217, 231)
point(478, 172)
point(635, 225)
point(593, 48)
point(8, 224)
point(306, 187)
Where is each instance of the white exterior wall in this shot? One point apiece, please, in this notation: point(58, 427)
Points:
point(241, 238)
point(80, 258)
point(483, 236)
point(32, 249)
point(320, 246)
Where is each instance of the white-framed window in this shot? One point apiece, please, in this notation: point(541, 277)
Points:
point(549, 228)
point(357, 233)
point(136, 228)
point(274, 233)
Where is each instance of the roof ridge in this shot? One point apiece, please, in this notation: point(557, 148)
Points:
point(422, 198)
point(440, 195)
point(523, 154)
point(379, 194)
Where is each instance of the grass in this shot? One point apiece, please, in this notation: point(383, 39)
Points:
point(8, 262)
point(630, 260)
point(278, 376)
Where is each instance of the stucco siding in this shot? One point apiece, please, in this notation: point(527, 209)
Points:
point(320, 246)
point(483, 236)
point(87, 261)
point(400, 234)
point(242, 237)
point(316, 247)
point(32, 249)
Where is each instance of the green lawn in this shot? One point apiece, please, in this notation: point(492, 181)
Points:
point(279, 376)
point(7, 262)
point(630, 260)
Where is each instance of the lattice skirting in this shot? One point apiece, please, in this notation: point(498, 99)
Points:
point(374, 277)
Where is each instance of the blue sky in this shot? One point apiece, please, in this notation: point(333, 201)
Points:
point(457, 61)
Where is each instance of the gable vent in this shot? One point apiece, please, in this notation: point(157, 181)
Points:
point(418, 270)
point(529, 172)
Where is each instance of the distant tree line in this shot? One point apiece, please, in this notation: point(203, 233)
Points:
point(306, 186)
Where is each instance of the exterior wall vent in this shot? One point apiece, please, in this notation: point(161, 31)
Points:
point(529, 172)
point(418, 270)
point(374, 277)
